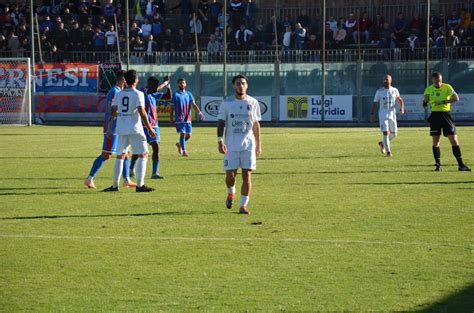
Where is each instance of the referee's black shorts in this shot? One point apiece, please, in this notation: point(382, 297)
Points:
point(441, 121)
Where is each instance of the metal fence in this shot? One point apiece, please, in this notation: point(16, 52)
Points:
point(253, 56)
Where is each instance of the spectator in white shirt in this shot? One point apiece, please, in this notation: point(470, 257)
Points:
point(111, 38)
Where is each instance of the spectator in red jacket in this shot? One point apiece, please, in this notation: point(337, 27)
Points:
point(363, 29)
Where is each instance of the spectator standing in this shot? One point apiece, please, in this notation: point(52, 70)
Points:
point(111, 38)
point(157, 25)
point(216, 11)
point(300, 36)
point(400, 27)
point(76, 38)
point(198, 25)
point(183, 41)
point(214, 49)
point(147, 28)
point(135, 31)
point(109, 11)
point(203, 14)
point(304, 19)
point(237, 11)
point(332, 23)
point(417, 25)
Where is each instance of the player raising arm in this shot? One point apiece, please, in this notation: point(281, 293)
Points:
point(439, 97)
point(239, 117)
point(385, 99)
point(129, 107)
point(151, 96)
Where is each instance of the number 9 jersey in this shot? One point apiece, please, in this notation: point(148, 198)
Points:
point(128, 119)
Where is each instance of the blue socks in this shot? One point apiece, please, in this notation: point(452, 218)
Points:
point(97, 165)
point(156, 166)
point(126, 168)
point(182, 142)
point(132, 163)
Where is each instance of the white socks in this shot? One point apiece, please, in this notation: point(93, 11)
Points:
point(141, 171)
point(386, 143)
point(117, 171)
point(231, 190)
point(244, 201)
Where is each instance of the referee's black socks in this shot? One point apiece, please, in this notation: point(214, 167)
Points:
point(457, 155)
point(437, 154)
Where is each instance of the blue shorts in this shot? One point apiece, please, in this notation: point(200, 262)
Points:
point(110, 144)
point(153, 139)
point(184, 128)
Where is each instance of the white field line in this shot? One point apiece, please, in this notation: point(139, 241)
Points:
point(234, 239)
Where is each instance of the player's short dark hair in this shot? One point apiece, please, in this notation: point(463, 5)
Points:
point(120, 75)
point(436, 75)
point(241, 76)
point(153, 80)
point(181, 80)
point(130, 77)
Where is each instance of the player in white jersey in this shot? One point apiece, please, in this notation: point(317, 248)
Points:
point(386, 98)
point(129, 107)
point(239, 116)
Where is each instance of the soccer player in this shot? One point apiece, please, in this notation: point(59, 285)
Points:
point(110, 143)
point(440, 96)
point(129, 107)
point(151, 96)
point(242, 144)
point(385, 99)
point(183, 101)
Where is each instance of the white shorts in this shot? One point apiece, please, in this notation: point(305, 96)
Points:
point(136, 141)
point(244, 159)
point(388, 125)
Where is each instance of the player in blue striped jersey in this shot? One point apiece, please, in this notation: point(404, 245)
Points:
point(109, 145)
point(183, 101)
point(151, 96)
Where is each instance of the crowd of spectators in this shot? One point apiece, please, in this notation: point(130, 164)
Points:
point(98, 25)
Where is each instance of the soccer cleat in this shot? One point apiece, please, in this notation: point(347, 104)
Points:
point(132, 172)
point(90, 184)
point(144, 189)
point(185, 153)
point(157, 176)
point(382, 149)
point(244, 210)
point(389, 154)
point(464, 168)
point(229, 201)
point(111, 188)
point(129, 183)
point(437, 167)
point(180, 150)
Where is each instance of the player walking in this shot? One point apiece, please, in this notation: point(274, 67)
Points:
point(129, 107)
point(182, 101)
point(385, 99)
point(110, 143)
point(151, 96)
point(440, 96)
point(242, 144)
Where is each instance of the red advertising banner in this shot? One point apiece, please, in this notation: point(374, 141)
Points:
point(70, 104)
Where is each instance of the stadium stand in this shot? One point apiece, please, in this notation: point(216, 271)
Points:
point(94, 31)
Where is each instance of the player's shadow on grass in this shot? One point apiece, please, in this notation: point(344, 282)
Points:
point(171, 213)
point(461, 301)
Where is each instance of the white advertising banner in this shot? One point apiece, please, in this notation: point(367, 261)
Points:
point(308, 108)
point(464, 108)
point(210, 107)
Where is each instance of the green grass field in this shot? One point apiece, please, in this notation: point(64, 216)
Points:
point(334, 226)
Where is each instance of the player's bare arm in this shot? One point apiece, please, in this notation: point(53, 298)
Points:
point(402, 105)
point(201, 115)
point(112, 115)
point(220, 137)
point(146, 122)
point(258, 141)
point(372, 111)
point(426, 101)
